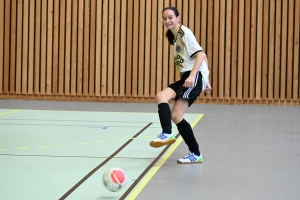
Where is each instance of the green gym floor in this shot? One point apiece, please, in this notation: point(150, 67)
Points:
point(59, 150)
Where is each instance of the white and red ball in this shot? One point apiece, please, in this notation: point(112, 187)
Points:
point(114, 179)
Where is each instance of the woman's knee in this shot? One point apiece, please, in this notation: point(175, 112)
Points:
point(177, 116)
point(160, 97)
point(165, 96)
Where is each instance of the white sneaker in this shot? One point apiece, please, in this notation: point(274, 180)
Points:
point(191, 158)
point(163, 139)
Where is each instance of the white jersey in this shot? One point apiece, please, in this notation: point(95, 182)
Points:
point(185, 49)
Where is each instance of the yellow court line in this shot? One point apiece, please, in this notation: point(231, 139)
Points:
point(155, 168)
point(6, 113)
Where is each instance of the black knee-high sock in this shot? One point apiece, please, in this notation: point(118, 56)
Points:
point(164, 113)
point(188, 136)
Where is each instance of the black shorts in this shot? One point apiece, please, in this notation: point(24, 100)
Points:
point(191, 94)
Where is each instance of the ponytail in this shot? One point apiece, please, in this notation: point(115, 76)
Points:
point(170, 37)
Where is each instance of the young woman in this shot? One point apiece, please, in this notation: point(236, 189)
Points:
point(191, 63)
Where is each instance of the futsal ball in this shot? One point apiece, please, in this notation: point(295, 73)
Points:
point(114, 179)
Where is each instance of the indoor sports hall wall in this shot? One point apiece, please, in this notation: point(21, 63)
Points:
point(115, 50)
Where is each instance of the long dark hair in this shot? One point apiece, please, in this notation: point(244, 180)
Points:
point(169, 33)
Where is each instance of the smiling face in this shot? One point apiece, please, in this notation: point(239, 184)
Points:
point(171, 21)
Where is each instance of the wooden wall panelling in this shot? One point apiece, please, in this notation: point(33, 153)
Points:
point(68, 43)
point(265, 53)
point(50, 22)
point(228, 50)
point(98, 49)
point(142, 46)
point(117, 52)
point(43, 48)
point(25, 47)
point(123, 47)
point(110, 51)
point(31, 56)
point(147, 60)
point(221, 50)
point(271, 51)
point(290, 49)
point(6, 55)
point(135, 49)
point(153, 65)
point(240, 48)
point(296, 64)
point(129, 33)
point(283, 62)
point(277, 54)
point(86, 44)
point(246, 49)
point(12, 64)
point(215, 47)
point(2, 14)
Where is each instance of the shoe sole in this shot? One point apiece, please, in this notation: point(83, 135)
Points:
point(157, 144)
point(189, 162)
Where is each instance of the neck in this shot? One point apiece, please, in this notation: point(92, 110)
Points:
point(175, 30)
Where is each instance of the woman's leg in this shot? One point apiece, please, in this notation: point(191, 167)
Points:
point(164, 112)
point(183, 126)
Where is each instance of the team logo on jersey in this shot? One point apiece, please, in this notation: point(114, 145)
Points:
point(178, 48)
point(179, 63)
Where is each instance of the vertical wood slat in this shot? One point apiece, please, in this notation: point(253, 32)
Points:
point(86, 42)
point(19, 47)
point(74, 57)
point(246, 59)
point(56, 49)
point(259, 48)
point(283, 49)
point(110, 59)
point(37, 48)
point(159, 52)
point(43, 65)
point(92, 48)
point(277, 50)
point(6, 46)
point(135, 48)
point(25, 47)
point(240, 48)
point(79, 69)
point(2, 14)
point(68, 43)
point(147, 50)
point(209, 43)
point(153, 51)
point(215, 50)
point(129, 48)
point(234, 50)
point(116, 53)
point(252, 80)
point(228, 49)
point(49, 47)
point(98, 49)
point(30, 78)
point(12, 65)
point(104, 48)
point(296, 86)
point(289, 56)
point(265, 44)
point(221, 51)
point(61, 46)
point(165, 64)
point(123, 49)
point(141, 52)
point(271, 50)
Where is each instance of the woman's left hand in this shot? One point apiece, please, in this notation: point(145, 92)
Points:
point(189, 82)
